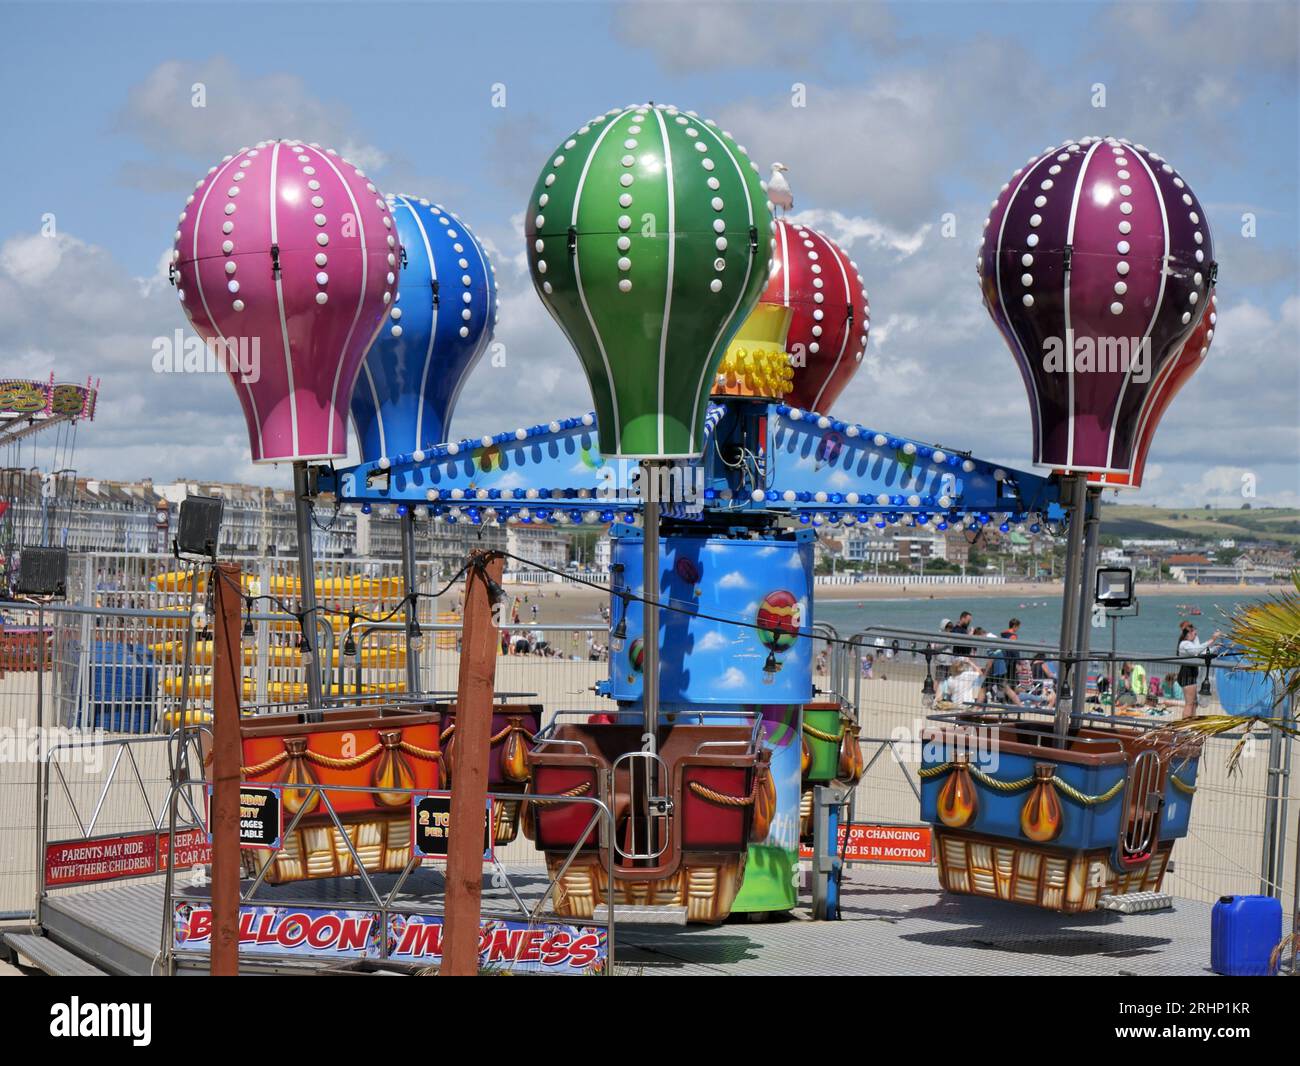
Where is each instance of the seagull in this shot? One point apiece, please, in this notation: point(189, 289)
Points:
point(778, 189)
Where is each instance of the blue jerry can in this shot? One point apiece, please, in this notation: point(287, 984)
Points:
point(1243, 932)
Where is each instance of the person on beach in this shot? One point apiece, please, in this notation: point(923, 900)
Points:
point(966, 685)
point(868, 662)
point(943, 658)
point(1189, 673)
point(963, 626)
point(1000, 671)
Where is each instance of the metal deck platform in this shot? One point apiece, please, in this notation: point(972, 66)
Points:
point(896, 922)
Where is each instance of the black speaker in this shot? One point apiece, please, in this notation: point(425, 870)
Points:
point(43, 572)
point(198, 531)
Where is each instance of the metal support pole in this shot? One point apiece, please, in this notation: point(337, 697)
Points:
point(1083, 629)
point(88, 725)
point(479, 647)
point(227, 670)
point(412, 606)
point(1073, 495)
point(307, 579)
point(1269, 884)
point(650, 585)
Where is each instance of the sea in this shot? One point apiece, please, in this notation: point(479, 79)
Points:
point(1152, 631)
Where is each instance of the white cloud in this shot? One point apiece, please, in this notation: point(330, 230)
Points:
point(711, 641)
point(733, 678)
point(239, 108)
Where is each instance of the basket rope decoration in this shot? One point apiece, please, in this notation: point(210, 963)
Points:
point(1041, 817)
point(1019, 784)
point(514, 760)
point(762, 797)
point(527, 817)
point(391, 772)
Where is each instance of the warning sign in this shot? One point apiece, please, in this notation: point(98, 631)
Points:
point(882, 843)
point(82, 862)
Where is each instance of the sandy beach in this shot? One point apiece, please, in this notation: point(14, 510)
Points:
point(570, 604)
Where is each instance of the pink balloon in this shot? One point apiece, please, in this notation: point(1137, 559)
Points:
point(286, 262)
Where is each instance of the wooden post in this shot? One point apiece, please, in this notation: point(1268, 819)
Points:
point(479, 645)
point(223, 817)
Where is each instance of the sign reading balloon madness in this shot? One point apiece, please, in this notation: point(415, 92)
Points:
point(1096, 265)
point(649, 240)
point(287, 931)
point(289, 244)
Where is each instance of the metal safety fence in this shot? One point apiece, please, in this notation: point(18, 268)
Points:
point(1243, 833)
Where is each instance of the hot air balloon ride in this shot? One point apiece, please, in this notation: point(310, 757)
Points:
point(1097, 266)
point(438, 325)
point(648, 241)
point(288, 250)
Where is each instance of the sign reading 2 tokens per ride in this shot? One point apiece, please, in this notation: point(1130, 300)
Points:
point(431, 826)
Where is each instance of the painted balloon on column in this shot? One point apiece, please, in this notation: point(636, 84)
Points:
point(649, 240)
point(438, 327)
point(1178, 373)
point(829, 320)
point(286, 260)
point(1096, 265)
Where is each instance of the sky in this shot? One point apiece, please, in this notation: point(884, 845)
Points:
point(912, 113)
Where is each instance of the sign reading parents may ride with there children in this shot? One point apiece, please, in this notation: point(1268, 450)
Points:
point(431, 826)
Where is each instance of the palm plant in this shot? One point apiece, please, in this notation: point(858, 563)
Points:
point(1268, 634)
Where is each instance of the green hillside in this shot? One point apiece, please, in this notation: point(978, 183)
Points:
point(1281, 524)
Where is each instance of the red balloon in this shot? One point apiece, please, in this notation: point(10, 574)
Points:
point(814, 277)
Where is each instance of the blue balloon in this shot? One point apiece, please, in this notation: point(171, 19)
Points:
point(438, 327)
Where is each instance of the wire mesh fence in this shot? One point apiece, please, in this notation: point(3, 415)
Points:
point(1244, 821)
point(111, 663)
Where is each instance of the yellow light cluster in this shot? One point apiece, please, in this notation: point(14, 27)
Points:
point(754, 372)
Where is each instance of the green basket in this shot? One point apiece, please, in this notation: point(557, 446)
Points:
point(820, 723)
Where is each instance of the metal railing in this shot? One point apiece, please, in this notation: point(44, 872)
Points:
point(1243, 823)
point(386, 903)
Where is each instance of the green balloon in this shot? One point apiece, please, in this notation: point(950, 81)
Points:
point(649, 242)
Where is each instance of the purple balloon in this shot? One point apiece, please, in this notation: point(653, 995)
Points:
point(1096, 265)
